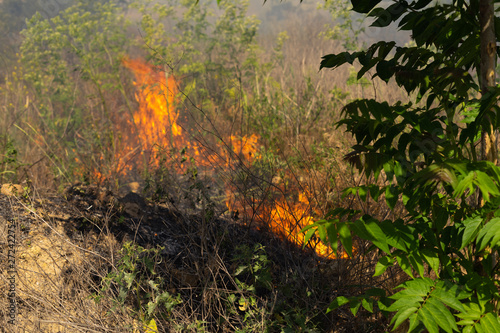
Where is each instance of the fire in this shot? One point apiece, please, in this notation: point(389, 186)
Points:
point(288, 218)
point(246, 147)
point(156, 96)
point(156, 120)
point(284, 217)
point(156, 124)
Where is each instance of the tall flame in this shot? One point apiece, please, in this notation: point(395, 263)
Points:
point(155, 122)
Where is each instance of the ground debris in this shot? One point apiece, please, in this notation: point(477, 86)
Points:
point(67, 244)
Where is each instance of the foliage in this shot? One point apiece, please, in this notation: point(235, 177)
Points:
point(251, 273)
point(9, 162)
point(425, 152)
point(137, 283)
point(346, 28)
point(89, 42)
point(253, 279)
point(71, 67)
point(76, 91)
point(12, 20)
point(254, 263)
point(214, 51)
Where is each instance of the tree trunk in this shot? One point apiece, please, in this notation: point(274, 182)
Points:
point(487, 75)
point(489, 151)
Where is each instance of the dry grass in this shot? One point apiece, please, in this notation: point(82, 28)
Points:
point(68, 243)
point(66, 247)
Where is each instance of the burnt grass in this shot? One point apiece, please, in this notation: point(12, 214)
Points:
point(202, 252)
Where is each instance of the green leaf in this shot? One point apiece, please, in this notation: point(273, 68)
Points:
point(331, 230)
point(240, 270)
point(435, 315)
point(430, 300)
point(432, 259)
point(382, 264)
point(359, 228)
point(472, 226)
point(417, 262)
point(384, 303)
point(375, 192)
point(468, 329)
point(367, 305)
point(466, 183)
point(383, 18)
point(419, 4)
point(336, 60)
point(378, 236)
point(449, 294)
point(371, 231)
point(416, 287)
point(151, 308)
point(376, 292)
point(391, 196)
point(398, 234)
point(362, 192)
point(441, 314)
point(337, 302)
point(364, 6)
point(402, 303)
point(490, 323)
point(308, 235)
point(413, 322)
point(129, 279)
point(385, 69)
point(322, 233)
point(486, 185)
point(401, 316)
point(440, 216)
point(345, 237)
point(404, 263)
point(354, 306)
point(489, 234)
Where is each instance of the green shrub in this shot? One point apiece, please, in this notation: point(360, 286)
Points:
point(424, 154)
point(136, 284)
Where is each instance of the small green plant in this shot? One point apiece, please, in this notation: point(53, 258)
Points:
point(254, 264)
point(252, 273)
point(159, 179)
point(197, 326)
point(136, 283)
point(9, 163)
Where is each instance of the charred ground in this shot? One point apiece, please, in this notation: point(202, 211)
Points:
point(221, 276)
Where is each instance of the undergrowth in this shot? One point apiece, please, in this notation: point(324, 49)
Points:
point(245, 139)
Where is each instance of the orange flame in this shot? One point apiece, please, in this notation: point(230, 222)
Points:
point(288, 218)
point(285, 218)
point(156, 123)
